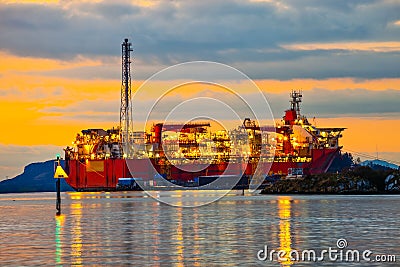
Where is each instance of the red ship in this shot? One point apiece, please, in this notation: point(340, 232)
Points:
point(100, 160)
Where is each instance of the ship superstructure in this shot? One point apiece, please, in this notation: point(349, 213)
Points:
point(183, 152)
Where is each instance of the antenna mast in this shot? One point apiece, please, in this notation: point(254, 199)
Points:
point(295, 101)
point(125, 116)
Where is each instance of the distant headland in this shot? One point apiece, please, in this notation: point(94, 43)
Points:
point(36, 177)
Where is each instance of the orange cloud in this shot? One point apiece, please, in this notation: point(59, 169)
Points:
point(12, 63)
point(25, 91)
point(29, 100)
point(275, 86)
point(351, 46)
point(280, 86)
point(24, 125)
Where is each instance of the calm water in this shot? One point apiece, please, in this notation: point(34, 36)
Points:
point(132, 229)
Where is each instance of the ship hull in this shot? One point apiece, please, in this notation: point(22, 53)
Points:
point(103, 175)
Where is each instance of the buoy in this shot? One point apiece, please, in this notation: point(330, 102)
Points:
point(59, 174)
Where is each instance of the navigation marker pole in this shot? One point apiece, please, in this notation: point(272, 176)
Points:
point(58, 202)
point(59, 174)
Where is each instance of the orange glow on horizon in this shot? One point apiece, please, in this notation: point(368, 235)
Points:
point(32, 98)
point(365, 134)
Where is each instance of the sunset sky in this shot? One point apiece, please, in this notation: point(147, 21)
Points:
point(60, 64)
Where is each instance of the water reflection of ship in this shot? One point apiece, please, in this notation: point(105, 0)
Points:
point(174, 229)
point(285, 236)
point(69, 242)
point(129, 231)
point(59, 234)
point(76, 243)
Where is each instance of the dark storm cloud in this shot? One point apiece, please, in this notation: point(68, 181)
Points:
point(351, 102)
point(232, 32)
point(361, 65)
point(358, 101)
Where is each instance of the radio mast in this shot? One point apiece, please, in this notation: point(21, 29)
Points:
point(125, 116)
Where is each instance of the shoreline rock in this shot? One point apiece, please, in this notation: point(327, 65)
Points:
point(360, 180)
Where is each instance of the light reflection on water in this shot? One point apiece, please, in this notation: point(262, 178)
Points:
point(129, 228)
point(76, 244)
point(58, 239)
point(285, 238)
